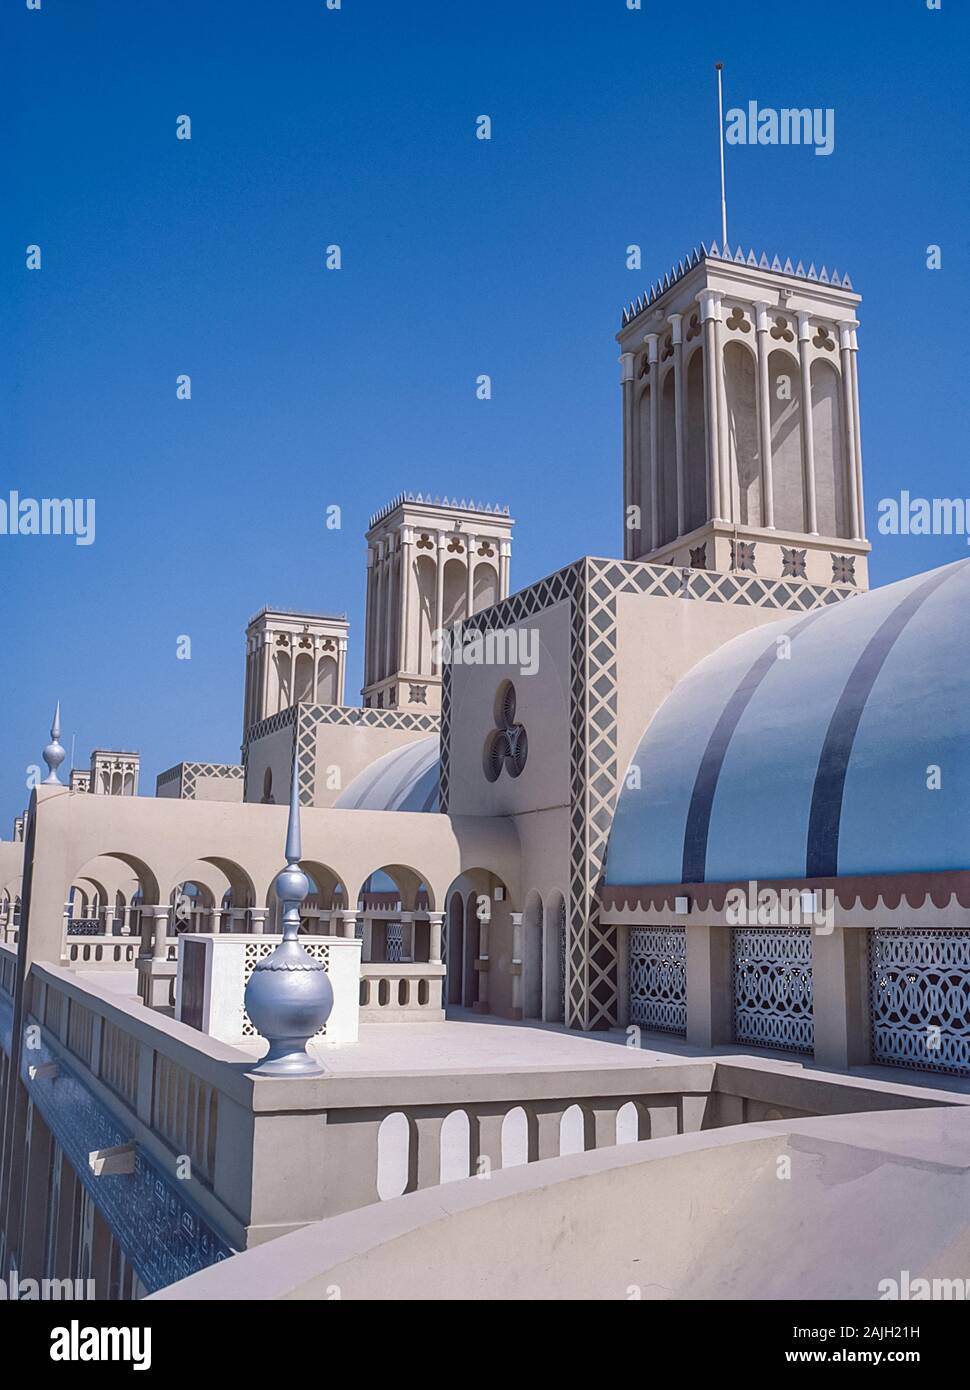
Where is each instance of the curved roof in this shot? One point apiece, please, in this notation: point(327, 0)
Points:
point(405, 779)
point(806, 748)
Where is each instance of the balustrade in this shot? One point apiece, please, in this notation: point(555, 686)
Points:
point(401, 991)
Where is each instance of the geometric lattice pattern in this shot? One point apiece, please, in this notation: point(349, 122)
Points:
point(309, 719)
point(658, 978)
point(259, 950)
point(163, 1235)
point(590, 587)
point(191, 772)
point(919, 996)
point(773, 987)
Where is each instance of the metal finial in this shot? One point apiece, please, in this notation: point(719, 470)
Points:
point(54, 754)
point(289, 996)
point(294, 849)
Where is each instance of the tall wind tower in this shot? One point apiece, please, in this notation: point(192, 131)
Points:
point(741, 441)
point(430, 563)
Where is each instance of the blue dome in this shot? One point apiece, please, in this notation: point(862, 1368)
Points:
point(806, 748)
point(403, 780)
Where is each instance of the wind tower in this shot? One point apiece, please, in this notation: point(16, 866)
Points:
point(430, 563)
point(292, 658)
point(741, 441)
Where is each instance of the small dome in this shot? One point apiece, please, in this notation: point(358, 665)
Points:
point(809, 748)
point(405, 779)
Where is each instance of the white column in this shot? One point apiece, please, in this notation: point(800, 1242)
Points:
point(381, 623)
point(723, 438)
point(439, 594)
point(406, 920)
point(627, 360)
point(808, 427)
point(267, 643)
point(160, 946)
point(504, 556)
point(371, 617)
point(248, 695)
point(677, 341)
point(517, 1000)
point(853, 482)
point(378, 626)
point(470, 543)
point(145, 914)
point(407, 566)
point(389, 611)
point(764, 417)
point(341, 667)
point(348, 922)
point(706, 301)
point(436, 920)
point(652, 357)
point(258, 917)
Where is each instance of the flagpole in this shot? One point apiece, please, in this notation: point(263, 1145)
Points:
point(720, 128)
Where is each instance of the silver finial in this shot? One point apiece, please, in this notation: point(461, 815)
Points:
point(289, 996)
point(54, 754)
point(294, 847)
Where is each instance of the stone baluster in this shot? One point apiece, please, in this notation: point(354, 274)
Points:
point(544, 1119)
point(424, 1149)
point(485, 1139)
point(599, 1122)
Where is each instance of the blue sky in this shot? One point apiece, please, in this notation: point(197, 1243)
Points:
point(312, 388)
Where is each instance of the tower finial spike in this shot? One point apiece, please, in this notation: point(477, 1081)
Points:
point(54, 754)
point(294, 847)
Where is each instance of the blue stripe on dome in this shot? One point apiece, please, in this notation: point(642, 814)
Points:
point(702, 800)
point(825, 817)
point(917, 719)
point(729, 765)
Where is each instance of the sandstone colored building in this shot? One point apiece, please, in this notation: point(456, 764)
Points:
point(712, 793)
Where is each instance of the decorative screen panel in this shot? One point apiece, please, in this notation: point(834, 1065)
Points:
point(658, 978)
point(259, 950)
point(919, 994)
point(773, 987)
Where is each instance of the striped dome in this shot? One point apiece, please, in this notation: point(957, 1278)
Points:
point(814, 756)
point(403, 780)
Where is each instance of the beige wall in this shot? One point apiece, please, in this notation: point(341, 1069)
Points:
point(11, 865)
point(658, 641)
point(542, 706)
point(157, 838)
point(347, 749)
point(218, 788)
point(702, 1215)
